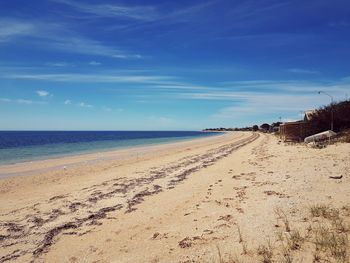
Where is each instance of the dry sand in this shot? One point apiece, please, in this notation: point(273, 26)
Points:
point(194, 201)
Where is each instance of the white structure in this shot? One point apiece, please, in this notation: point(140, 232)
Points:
point(320, 136)
point(308, 114)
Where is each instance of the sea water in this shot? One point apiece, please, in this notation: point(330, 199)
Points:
point(21, 146)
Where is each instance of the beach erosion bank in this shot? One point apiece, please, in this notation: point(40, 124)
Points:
point(194, 201)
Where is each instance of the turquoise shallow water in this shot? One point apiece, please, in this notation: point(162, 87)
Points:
point(24, 146)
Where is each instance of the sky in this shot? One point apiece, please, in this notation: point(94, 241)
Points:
point(169, 65)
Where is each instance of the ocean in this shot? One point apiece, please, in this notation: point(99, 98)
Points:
point(21, 146)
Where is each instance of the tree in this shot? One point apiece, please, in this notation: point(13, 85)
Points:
point(255, 128)
point(276, 124)
point(265, 126)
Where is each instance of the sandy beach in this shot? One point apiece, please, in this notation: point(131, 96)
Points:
point(217, 199)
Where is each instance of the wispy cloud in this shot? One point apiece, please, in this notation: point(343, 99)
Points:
point(85, 46)
point(84, 105)
point(287, 86)
point(10, 29)
point(42, 93)
point(58, 37)
point(92, 78)
point(159, 82)
point(257, 103)
point(79, 104)
point(22, 101)
point(5, 100)
point(190, 15)
point(94, 63)
point(303, 71)
point(147, 13)
point(59, 64)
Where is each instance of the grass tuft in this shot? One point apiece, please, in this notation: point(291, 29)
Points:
point(266, 252)
point(332, 243)
point(294, 240)
point(324, 211)
point(282, 215)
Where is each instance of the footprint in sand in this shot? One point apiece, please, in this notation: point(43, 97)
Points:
point(158, 236)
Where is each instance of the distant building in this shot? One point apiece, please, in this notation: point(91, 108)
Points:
point(309, 114)
point(293, 131)
point(296, 130)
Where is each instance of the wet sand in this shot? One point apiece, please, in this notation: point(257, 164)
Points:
point(180, 202)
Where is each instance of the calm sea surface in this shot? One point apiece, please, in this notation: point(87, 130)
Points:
point(19, 146)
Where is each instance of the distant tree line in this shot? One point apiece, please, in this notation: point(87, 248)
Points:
point(320, 120)
point(264, 127)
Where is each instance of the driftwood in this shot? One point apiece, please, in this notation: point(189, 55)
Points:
point(336, 177)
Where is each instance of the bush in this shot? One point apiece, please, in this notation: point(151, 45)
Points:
point(321, 119)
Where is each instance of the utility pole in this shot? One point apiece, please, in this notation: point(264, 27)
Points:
point(331, 106)
point(301, 125)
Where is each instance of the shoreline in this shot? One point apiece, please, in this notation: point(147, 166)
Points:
point(60, 162)
point(101, 149)
point(56, 201)
point(187, 202)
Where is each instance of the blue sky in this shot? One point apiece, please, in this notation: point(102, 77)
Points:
point(168, 65)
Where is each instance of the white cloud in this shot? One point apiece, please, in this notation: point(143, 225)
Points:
point(5, 100)
point(80, 104)
point(59, 64)
point(113, 10)
point(84, 105)
point(42, 93)
point(57, 37)
point(94, 63)
point(10, 28)
point(85, 46)
point(302, 71)
point(22, 101)
point(95, 78)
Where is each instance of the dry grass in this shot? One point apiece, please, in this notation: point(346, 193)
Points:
point(241, 240)
point(266, 252)
point(331, 236)
point(331, 244)
point(345, 136)
point(324, 211)
point(286, 255)
point(324, 238)
point(294, 240)
point(340, 225)
point(235, 259)
point(282, 216)
point(245, 247)
point(221, 260)
point(346, 210)
point(239, 234)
